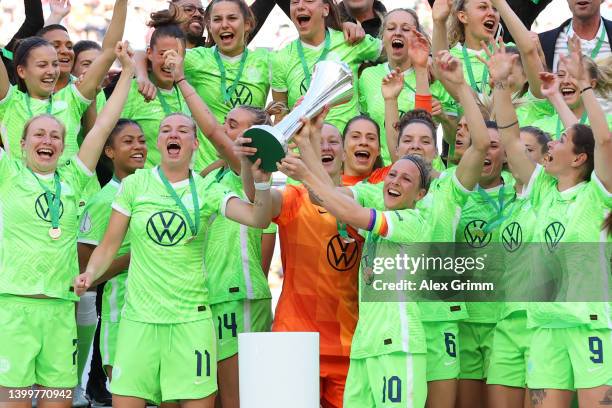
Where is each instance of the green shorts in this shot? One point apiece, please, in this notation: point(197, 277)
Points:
point(475, 349)
point(38, 344)
point(442, 351)
point(165, 362)
point(108, 341)
point(240, 316)
point(389, 380)
point(570, 358)
point(510, 353)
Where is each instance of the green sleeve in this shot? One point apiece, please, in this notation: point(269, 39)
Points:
point(76, 174)
point(449, 105)
point(124, 199)
point(363, 98)
point(6, 101)
point(369, 48)
point(403, 226)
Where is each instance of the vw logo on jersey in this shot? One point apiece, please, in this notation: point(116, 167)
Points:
point(475, 235)
point(42, 207)
point(242, 96)
point(512, 237)
point(342, 256)
point(553, 234)
point(166, 228)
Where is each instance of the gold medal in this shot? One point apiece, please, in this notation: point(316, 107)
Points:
point(55, 233)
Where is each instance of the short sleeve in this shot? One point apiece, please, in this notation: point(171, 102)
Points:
point(76, 174)
point(363, 96)
point(272, 228)
point(292, 201)
point(78, 103)
point(369, 48)
point(458, 193)
point(601, 191)
point(92, 228)
point(399, 226)
point(368, 195)
point(5, 102)
point(124, 200)
point(278, 76)
point(6, 170)
point(538, 185)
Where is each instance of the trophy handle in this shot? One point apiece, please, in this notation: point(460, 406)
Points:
point(270, 149)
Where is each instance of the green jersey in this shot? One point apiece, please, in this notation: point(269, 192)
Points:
point(372, 102)
point(483, 210)
point(532, 109)
point(571, 216)
point(67, 105)
point(394, 326)
point(94, 223)
point(31, 263)
point(100, 102)
point(475, 72)
point(167, 278)
point(238, 274)
point(553, 125)
point(247, 87)
point(288, 70)
point(149, 115)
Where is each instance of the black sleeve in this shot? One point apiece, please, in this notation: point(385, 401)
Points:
point(262, 9)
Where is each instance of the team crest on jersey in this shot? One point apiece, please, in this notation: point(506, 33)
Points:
point(253, 74)
point(166, 228)
point(341, 255)
point(242, 96)
point(475, 235)
point(42, 207)
point(86, 223)
point(553, 234)
point(512, 237)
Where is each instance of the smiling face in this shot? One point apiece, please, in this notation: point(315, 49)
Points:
point(155, 54)
point(584, 9)
point(308, 17)
point(237, 121)
point(193, 15)
point(332, 153)
point(128, 150)
point(462, 138)
point(60, 40)
point(494, 160)
point(228, 27)
point(416, 138)
point(177, 140)
point(40, 71)
point(362, 147)
point(402, 186)
point(480, 19)
point(84, 61)
point(43, 144)
point(568, 86)
point(395, 35)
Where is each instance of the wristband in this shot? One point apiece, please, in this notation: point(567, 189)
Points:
point(585, 89)
point(263, 186)
point(179, 81)
point(372, 219)
point(509, 126)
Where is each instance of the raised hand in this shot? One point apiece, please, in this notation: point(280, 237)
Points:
point(449, 69)
point(550, 84)
point(353, 33)
point(392, 84)
point(60, 8)
point(292, 166)
point(499, 63)
point(174, 61)
point(418, 49)
point(259, 176)
point(441, 10)
point(573, 62)
point(125, 55)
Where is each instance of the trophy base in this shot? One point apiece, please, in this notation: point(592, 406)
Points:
point(269, 149)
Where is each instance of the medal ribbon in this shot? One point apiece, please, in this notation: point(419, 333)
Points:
point(499, 207)
point(468, 65)
point(28, 104)
point(164, 103)
point(225, 92)
point(53, 202)
point(300, 50)
point(194, 227)
point(600, 40)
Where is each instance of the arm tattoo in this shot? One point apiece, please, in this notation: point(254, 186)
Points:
point(537, 397)
point(314, 195)
point(607, 399)
point(500, 85)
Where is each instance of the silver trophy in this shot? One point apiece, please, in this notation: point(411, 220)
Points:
point(331, 85)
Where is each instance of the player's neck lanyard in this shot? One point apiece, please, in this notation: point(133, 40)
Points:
point(225, 92)
point(29, 104)
point(164, 103)
point(583, 120)
point(194, 227)
point(300, 51)
point(6, 54)
point(498, 206)
point(54, 203)
point(600, 40)
point(468, 65)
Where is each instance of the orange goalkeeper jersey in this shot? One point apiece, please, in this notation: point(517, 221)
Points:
point(320, 287)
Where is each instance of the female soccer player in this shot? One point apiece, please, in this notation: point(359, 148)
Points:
point(37, 299)
point(571, 197)
point(38, 69)
point(362, 154)
point(320, 38)
point(126, 148)
point(399, 26)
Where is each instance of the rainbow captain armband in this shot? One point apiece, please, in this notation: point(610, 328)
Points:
point(378, 223)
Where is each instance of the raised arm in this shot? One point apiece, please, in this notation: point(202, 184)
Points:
point(440, 11)
point(597, 118)
point(450, 72)
point(5, 83)
point(114, 34)
point(146, 88)
point(104, 255)
point(392, 86)
point(500, 67)
point(92, 146)
point(34, 21)
point(550, 89)
point(256, 214)
point(59, 10)
point(526, 45)
point(204, 118)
